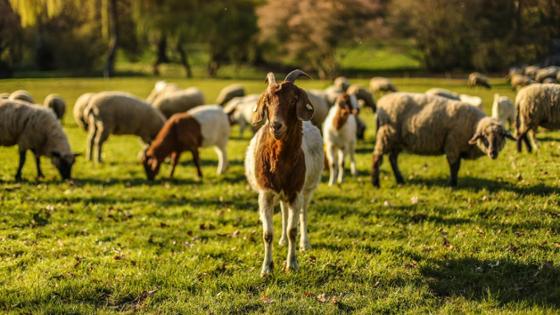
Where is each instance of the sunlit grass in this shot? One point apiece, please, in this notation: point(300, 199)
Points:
point(112, 241)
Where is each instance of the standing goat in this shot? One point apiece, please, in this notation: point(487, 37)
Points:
point(284, 163)
point(339, 131)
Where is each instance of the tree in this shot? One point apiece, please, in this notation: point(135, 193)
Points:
point(10, 39)
point(309, 31)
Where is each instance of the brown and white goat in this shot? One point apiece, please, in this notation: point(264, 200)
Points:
point(202, 126)
point(284, 163)
point(339, 131)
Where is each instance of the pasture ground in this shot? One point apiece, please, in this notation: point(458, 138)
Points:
point(111, 241)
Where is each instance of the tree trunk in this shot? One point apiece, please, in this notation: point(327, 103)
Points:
point(114, 39)
point(184, 58)
point(161, 56)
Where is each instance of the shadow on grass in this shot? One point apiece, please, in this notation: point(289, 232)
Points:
point(501, 280)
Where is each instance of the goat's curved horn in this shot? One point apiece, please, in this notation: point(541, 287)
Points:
point(270, 78)
point(292, 76)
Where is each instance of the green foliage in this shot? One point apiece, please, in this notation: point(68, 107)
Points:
point(111, 242)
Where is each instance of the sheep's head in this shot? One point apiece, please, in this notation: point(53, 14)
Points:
point(345, 108)
point(63, 163)
point(490, 137)
point(282, 105)
point(151, 164)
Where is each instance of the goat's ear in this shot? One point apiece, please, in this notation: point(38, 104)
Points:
point(475, 138)
point(304, 108)
point(259, 111)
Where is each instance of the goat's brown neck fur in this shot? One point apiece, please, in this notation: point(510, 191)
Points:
point(280, 163)
point(340, 118)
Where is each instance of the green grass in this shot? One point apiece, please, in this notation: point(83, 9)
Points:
point(112, 242)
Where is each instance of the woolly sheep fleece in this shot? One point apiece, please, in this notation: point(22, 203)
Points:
point(56, 104)
point(538, 105)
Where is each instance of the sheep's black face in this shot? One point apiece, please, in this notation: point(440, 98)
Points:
point(491, 139)
point(151, 166)
point(63, 164)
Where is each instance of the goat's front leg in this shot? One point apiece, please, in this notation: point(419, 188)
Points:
point(174, 161)
point(293, 213)
point(266, 208)
point(341, 158)
point(284, 214)
point(21, 164)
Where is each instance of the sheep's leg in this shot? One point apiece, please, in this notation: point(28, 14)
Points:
point(393, 158)
point(196, 160)
point(523, 137)
point(351, 152)
point(92, 134)
point(304, 239)
point(332, 159)
point(284, 213)
point(533, 138)
point(341, 157)
point(294, 209)
point(22, 156)
point(175, 160)
point(222, 158)
point(454, 165)
point(376, 165)
point(266, 207)
point(38, 165)
point(242, 126)
point(101, 137)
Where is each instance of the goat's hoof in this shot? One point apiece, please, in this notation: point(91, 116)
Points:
point(266, 270)
point(291, 265)
point(303, 246)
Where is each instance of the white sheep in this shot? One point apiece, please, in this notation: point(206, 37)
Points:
point(161, 88)
point(284, 162)
point(520, 80)
point(537, 105)
point(380, 84)
point(36, 129)
point(119, 113)
point(431, 125)
point(79, 108)
point(179, 101)
point(229, 92)
point(339, 131)
point(201, 127)
point(548, 73)
point(531, 71)
point(364, 97)
point(240, 111)
point(22, 95)
point(478, 79)
point(471, 100)
point(56, 104)
point(503, 110)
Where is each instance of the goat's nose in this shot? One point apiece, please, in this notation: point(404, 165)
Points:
point(276, 125)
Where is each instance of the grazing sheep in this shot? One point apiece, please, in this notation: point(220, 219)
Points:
point(161, 88)
point(229, 92)
point(531, 71)
point(379, 84)
point(520, 80)
point(341, 83)
point(429, 125)
point(443, 93)
point(478, 79)
point(549, 81)
point(339, 131)
point(471, 100)
point(79, 108)
point(284, 162)
point(537, 105)
point(201, 127)
point(513, 71)
point(35, 128)
point(240, 111)
point(547, 73)
point(179, 101)
point(56, 104)
point(503, 110)
point(364, 97)
point(22, 95)
point(119, 114)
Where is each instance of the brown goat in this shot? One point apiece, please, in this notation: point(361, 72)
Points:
point(284, 162)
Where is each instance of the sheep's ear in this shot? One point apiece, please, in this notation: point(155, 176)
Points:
point(56, 154)
point(475, 138)
point(259, 111)
point(304, 108)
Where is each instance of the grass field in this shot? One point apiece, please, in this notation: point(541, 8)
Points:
point(112, 242)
